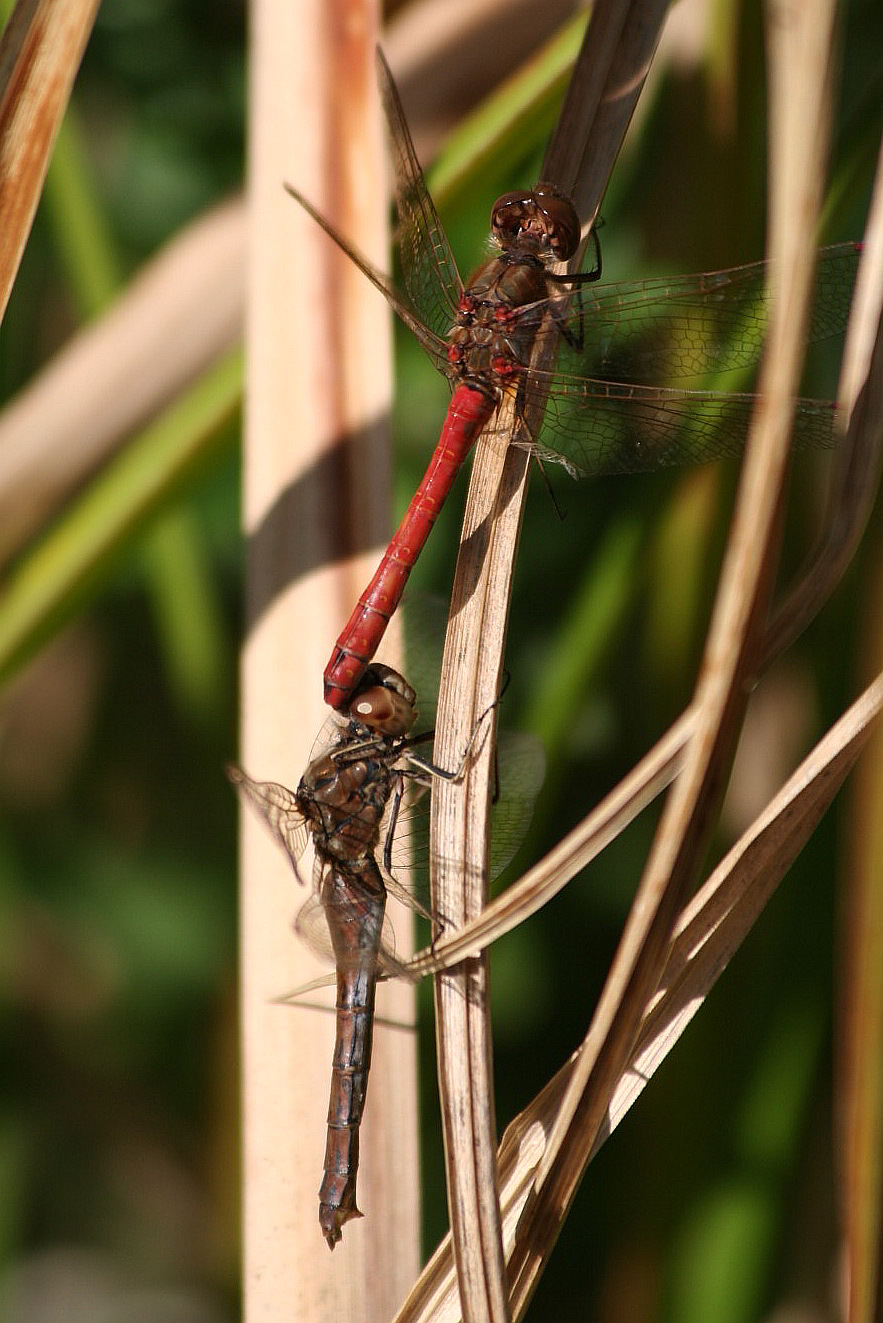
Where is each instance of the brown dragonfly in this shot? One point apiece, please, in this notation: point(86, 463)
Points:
point(353, 797)
point(605, 409)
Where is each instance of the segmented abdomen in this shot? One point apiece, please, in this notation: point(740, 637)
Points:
point(354, 900)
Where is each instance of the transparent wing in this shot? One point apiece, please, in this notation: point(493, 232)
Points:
point(596, 427)
point(429, 271)
point(521, 757)
point(311, 925)
point(330, 735)
point(435, 343)
point(522, 767)
point(522, 772)
point(278, 807)
point(674, 328)
point(424, 619)
point(601, 416)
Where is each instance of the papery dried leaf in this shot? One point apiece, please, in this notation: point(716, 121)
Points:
point(707, 934)
point(40, 52)
point(174, 320)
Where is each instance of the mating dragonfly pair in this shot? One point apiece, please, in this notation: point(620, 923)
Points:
point(602, 413)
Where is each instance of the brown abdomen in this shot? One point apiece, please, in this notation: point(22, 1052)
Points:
point(354, 900)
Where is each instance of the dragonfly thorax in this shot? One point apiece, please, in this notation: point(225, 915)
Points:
point(491, 341)
point(343, 800)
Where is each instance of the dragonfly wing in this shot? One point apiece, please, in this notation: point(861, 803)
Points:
point(678, 328)
point(601, 427)
point(278, 807)
point(429, 271)
point(424, 620)
point(434, 344)
point(311, 925)
point(522, 761)
point(410, 843)
point(294, 995)
point(406, 897)
point(332, 732)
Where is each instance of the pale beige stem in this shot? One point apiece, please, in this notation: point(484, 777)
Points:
point(604, 90)
point(316, 508)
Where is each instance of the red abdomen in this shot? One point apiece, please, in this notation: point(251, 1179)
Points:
point(469, 411)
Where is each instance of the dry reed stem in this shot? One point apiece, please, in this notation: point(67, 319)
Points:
point(174, 320)
point(706, 935)
point(40, 52)
point(857, 460)
point(602, 99)
point(572, 853)
point(715, 922)
point(860, 1066)
point(733, 641)
point(859, 1080)
point(316, 483)
point(459, 857)
point(713, 925)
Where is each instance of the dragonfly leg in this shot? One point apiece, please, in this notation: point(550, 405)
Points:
point(393, 886)
point(573, 338)
point(542, 453)
point(391, 825)
point(430, 768)
point(556, 504)
point(355, 749)
point(579, 278)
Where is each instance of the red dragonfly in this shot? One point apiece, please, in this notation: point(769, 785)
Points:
point(603, 412)
point(351, 797)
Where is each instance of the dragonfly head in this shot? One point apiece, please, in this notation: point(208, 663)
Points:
point(384, 702)
point(541, 219)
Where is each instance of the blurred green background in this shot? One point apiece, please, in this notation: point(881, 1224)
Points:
point(118, 1150)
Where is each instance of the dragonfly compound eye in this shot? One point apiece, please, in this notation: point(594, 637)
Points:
point(384, 702)
point(379, 675)
point(561, 220)
point(383, 711)
point(510, 216)
point(543, 220)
